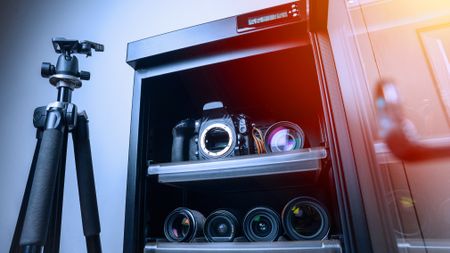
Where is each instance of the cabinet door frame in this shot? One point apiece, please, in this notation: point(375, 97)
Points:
point(354, 127)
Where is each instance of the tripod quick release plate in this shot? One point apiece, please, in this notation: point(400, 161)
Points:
point(65, 46)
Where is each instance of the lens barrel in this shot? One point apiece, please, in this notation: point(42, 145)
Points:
point(183, 225)
point(221, 226)
point(261, 224)
point(305, 218)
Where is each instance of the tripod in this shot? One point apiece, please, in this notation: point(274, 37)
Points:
point(38, 226)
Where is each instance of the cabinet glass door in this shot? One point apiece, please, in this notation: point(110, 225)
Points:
point(407, 42)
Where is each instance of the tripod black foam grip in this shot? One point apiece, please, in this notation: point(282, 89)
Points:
point(35, 227)
point(85, 177)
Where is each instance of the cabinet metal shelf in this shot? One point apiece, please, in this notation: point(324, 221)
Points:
point(327, 246)
point(304, 160)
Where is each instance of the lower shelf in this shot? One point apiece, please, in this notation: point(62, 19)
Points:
point(420, 245)
point(326, 246)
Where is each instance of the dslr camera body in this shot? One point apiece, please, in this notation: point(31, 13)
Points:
point(216, 135)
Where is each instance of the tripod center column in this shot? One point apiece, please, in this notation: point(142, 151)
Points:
point(64, 93)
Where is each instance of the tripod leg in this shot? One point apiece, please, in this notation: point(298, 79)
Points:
point(86, 185)
point(15, 248)
point(35, 227)
point(54, 232)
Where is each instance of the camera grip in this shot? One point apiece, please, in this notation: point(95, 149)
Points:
point(178, 147)
point(182, 134)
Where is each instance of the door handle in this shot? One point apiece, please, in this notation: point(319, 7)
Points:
point(398, 132)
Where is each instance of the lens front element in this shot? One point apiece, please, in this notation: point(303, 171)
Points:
point(284, 136)
point(221, 226)
point(261, 224)
point(183, 225)
point(304, 218)
point(180, 227)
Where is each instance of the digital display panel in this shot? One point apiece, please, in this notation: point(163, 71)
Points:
point(292, 12)
point(267, 18)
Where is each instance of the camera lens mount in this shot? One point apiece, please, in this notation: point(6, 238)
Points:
point(305, 218)
point(217, 140)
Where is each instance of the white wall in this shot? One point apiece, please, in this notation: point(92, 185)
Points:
point(26, 28)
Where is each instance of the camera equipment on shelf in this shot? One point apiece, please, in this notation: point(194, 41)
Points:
point(261, 224)
point(216, 135)
point(305, 218)
point(219, 134)
point(278, 137)
point(221, 226)
point(183, 225)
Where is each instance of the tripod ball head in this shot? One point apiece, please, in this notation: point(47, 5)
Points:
point(66, 68)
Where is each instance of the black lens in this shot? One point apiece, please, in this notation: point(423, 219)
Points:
point(261, 224)
point(221, 226)
point(183, 224)
point(216, 139)
point(305, 218)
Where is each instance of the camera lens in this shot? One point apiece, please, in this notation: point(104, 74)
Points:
point(216, 140)
point(261, 224)
point(221, 226)
point(284, 136)
point(183, 225)
point(304, 218)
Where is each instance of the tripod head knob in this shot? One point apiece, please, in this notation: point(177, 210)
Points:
point(47, 69)
point(66, 68)
point(84, 75)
